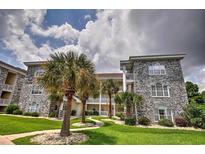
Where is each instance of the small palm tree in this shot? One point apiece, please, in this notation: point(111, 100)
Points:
point(87, 86)
point(130, 100)
point(62, 72)
point(110, 87)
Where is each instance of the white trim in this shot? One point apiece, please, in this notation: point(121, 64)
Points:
point(162, 90)
point(165, 112)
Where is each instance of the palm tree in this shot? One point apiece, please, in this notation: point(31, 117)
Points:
point(87, 86)
point(130, 100)
point(62, 72)
point(110, 87)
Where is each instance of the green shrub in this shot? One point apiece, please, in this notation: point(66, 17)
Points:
point(33, 114)
point(73, 112)
point(88, 113)
point(195, 114)
point(17, 112)
point(27, 113)
point(181, 122)
point(130, 121)
point(120, 115)
point(144, 121)
point(53, 114)
point(11, 108)
point(95, 112)
point(166, 122)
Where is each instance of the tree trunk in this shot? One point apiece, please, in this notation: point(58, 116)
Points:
point(136, 116)
point(110, 106)
point(65, 129)
point(83, 111)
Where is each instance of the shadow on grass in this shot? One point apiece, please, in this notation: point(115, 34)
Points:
point(97, 138)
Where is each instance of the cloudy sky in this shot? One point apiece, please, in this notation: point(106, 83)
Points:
point(106, 36)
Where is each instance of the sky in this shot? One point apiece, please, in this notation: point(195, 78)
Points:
point(105, 36)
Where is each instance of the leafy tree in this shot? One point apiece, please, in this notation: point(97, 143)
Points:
point(110, 87)
point(87, 86)
point(63, 72)
point(192, 89)
point(195, 114)
point(130, 100)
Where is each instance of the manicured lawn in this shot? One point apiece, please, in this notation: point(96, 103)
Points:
point(111, 134)
point(13, 124)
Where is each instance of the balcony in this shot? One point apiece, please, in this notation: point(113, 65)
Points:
point(4, 102)
point(7, 87)
point(129, 77)
point(104, 100)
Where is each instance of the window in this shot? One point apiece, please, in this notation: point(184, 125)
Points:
point(36, 90)
point(157, 70)
point(159, 90)
point(38, 73)
point(162, 113)
point(33, 107)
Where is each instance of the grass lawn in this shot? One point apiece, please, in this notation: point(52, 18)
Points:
point(111, 134)
point(13, 124)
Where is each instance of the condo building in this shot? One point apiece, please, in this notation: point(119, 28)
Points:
point(11, 81)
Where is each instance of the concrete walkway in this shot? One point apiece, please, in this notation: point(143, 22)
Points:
point(7, 139)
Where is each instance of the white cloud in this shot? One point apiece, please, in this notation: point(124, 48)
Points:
point(113, 36)
point(64, 32)
point(87, 17)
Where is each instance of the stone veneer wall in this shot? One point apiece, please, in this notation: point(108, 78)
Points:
point(26, 97)
point(17, 87)
point(3, 74)
point(173, 79)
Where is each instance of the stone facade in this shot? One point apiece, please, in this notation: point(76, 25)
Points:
point(39, 102)
point(27, 98)
point(173, 79)
point(11, 82)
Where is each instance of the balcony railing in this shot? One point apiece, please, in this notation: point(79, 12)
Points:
point(129, 76)
point(4, 102)
point(104, 113)
point(8, 87)
point(97, 100)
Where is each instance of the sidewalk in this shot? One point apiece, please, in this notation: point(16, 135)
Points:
point(5, 141)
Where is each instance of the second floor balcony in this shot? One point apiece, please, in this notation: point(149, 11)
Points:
point(104, 100)
point(7, 87)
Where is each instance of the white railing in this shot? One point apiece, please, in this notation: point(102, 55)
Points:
point(4, 101)
point(105, 113)
point(8, 87)
point(104, 100)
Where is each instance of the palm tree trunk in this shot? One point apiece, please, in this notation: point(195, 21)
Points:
point(136, 116)
point(83, 112)
point(110, 106)
point(65, 129)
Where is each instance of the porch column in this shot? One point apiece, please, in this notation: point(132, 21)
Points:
point(114, 108)
point(100, 100)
